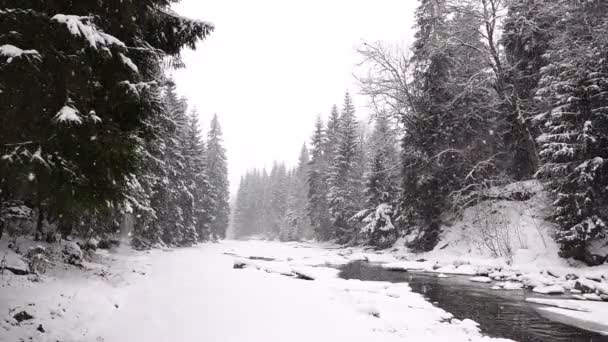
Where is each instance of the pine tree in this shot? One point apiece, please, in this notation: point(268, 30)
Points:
point(381, 190)
point(448, 141)
point(526, 37)
point(343, 181)
point(198, 181)
point(574, 144)
point(218, 179)
point(317, 206)
point(300, 193)
point(278, 197)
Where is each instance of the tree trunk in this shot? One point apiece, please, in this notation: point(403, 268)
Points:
point(39, 232)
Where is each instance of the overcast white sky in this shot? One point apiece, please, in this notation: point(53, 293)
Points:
point(272, 66)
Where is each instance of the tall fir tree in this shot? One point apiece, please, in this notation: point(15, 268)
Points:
point(574, 84)
point(381, 187)
point(318, 208)
point(217, 170)
point(343, 181)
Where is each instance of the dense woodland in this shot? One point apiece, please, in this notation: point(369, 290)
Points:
point(491, 92)
point(93, 135)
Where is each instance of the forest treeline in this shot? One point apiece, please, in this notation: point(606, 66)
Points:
point(92, 133)
point(491, 92)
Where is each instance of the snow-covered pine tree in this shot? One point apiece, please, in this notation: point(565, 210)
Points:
point(217, 171)
point(198, 180)
point(526, 36)
point(381, 190)
point(177, 222)
point(343, 181)
point(290, 222)
point(448, 141)
point(279, 183)
point(76, 79)
point(300, 192)
point(574, 145)
point(317, 206)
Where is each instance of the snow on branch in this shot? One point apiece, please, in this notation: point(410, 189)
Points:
point(68, 114)
point(13, 52)
point(80, 27)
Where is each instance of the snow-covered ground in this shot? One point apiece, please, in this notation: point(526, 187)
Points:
point(195, 294)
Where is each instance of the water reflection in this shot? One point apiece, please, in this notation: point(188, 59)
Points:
point(499, 313)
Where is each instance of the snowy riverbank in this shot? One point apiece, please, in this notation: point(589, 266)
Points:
point(195, 294)
point(251, 291)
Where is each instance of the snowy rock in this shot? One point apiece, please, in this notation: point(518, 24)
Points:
point(594, 275)
point(533, 280)
point(552, 290)
point(575, 291)
point(585, 285)
point(72, 254)
point(13, 262)
point(22, 316)
point(370, 310)
point(510, 285)
point(578, 297)
point(405, 266)
point(481, 279)
point(571, 276)
point(592, 296)
point(467, 270)
point(441, 275)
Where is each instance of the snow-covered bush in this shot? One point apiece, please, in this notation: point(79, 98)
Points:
point(378, 225)
point(16, 218)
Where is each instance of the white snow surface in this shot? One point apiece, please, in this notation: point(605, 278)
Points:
point(195, 294)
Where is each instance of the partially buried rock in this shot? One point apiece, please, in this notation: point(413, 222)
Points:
point(22, 316)
point(40, 328)
point(239, 264)
point(592, 296)
point(585, 285)
point(13, 263)
point(72, 253)
point(481, 279)
point(303, 275)
point(551, 290)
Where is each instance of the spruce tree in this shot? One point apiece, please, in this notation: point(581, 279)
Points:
point(381, 189)
point(197, 178)
point(317, 206)
point(343, 181)
point(217, 170)
point(574, 143)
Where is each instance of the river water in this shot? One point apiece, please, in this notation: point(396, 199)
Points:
point(500, 313)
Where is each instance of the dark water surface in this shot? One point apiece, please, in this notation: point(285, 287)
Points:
point(499, 313)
